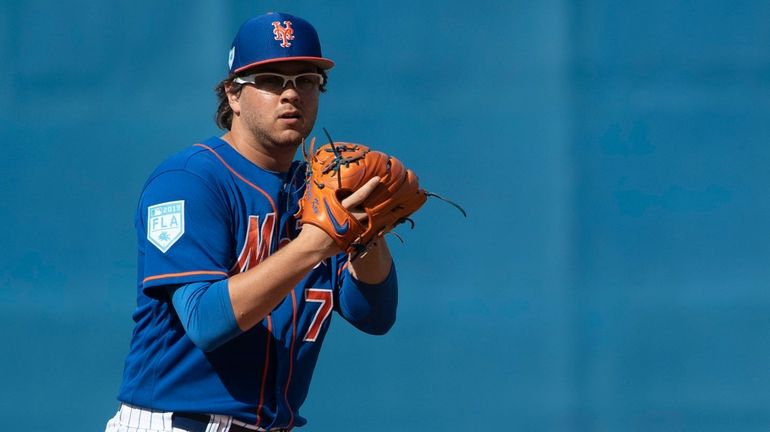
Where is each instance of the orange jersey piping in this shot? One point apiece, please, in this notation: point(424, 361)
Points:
point(264, 369)
point(190, 273)
point(242, 178)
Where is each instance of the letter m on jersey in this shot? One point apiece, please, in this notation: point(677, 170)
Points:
point(257, 245)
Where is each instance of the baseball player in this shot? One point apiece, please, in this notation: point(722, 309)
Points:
point(234, 297)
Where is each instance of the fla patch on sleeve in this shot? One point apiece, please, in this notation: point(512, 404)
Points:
point(165, 224)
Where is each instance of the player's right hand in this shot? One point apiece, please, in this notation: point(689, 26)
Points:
point(317, 239)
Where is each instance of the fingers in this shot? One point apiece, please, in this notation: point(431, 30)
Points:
point(356, 198)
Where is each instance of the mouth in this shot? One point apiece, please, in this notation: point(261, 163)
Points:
point(290, 115)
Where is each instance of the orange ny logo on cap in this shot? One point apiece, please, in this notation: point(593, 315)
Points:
point(283, 34)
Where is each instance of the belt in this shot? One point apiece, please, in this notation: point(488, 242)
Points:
point(193, 422)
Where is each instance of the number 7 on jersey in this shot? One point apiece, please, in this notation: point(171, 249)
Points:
point(325, 297)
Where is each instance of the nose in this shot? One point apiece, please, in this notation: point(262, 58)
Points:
point(290, 93)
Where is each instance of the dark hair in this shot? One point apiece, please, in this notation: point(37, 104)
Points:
point(224, 114)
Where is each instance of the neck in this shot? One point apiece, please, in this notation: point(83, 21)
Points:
point(265, 155)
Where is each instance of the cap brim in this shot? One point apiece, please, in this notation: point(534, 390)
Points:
point(321, 62)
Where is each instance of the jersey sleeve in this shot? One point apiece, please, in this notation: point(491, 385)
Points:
point(206, 313)
point(183, 230)
point(371, 308)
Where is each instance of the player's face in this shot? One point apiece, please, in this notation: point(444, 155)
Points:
point(280, 118)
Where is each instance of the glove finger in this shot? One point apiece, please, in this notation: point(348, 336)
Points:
point(384, 216)
point(392, 180)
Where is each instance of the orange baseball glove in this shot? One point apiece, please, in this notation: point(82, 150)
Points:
point(335, 171)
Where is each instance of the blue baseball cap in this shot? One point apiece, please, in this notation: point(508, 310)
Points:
point(275, 37)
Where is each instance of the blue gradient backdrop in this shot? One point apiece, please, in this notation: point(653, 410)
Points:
point(613, 157)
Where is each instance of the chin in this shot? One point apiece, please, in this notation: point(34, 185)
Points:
point(289, 138)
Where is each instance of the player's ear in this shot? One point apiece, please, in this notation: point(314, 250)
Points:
point(233, 97)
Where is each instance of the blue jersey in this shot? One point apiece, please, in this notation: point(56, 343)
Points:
point(205, 214)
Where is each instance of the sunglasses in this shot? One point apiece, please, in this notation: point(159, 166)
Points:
point(275, 83)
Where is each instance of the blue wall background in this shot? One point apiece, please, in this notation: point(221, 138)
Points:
point(612, 155)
